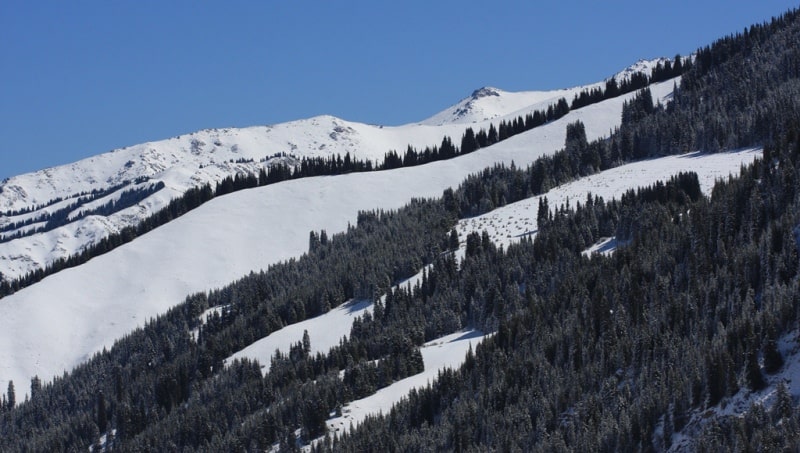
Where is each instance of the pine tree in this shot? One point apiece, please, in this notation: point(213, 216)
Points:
point(783, 403)
point(576, 136)
point(492, 137)
point(36, 387)
point(468, 142)
point(773, 360)
point(306, 343)
point(12, 398)
point(755, 381)
point(612, 89)
point(102, 415)
point(313, 242)
point(452, 242)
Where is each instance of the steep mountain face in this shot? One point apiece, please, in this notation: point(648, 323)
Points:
point(163, 170)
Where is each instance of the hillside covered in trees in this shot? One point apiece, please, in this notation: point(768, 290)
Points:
point(601, 353)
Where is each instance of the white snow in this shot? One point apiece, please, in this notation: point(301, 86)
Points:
point(103, 441)
point(490, 103)
point(605, 246)
point(327, 328)
point(643, 66)
point(77, 312)
point(60, 322)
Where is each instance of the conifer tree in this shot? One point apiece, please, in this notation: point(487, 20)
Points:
point(11, 400)
point(36, 387)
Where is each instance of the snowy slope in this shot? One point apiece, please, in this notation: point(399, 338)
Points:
point(325, 331)
point(210, 155)
point(181, 163)
point(52, 326)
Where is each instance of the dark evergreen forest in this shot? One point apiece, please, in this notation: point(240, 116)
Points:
point(588, 354)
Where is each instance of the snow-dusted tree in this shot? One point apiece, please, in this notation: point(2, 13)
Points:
point(36, 387)
point(12, 398)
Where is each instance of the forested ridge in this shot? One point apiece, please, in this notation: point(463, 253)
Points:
point(588, 354)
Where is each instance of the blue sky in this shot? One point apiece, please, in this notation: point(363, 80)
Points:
point(85, 77)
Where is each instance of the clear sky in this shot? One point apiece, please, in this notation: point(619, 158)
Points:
point(78, 78)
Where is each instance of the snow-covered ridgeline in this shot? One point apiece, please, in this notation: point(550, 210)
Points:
point(317, 136)
point(211, 155)
point(61, 321)
point(489, 103)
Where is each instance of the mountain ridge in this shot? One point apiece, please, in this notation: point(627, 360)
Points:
point(495, 102)
point(210, 155)
point(218, 145)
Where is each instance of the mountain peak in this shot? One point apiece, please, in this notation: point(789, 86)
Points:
point(484, 92)
point(643, 65)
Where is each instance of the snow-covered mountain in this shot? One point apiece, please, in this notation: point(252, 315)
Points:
point(208, 156)
point(489, 103)
point(60, 322)
point(51, 326)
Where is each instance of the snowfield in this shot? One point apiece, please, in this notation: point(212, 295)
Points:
point(605, 246)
